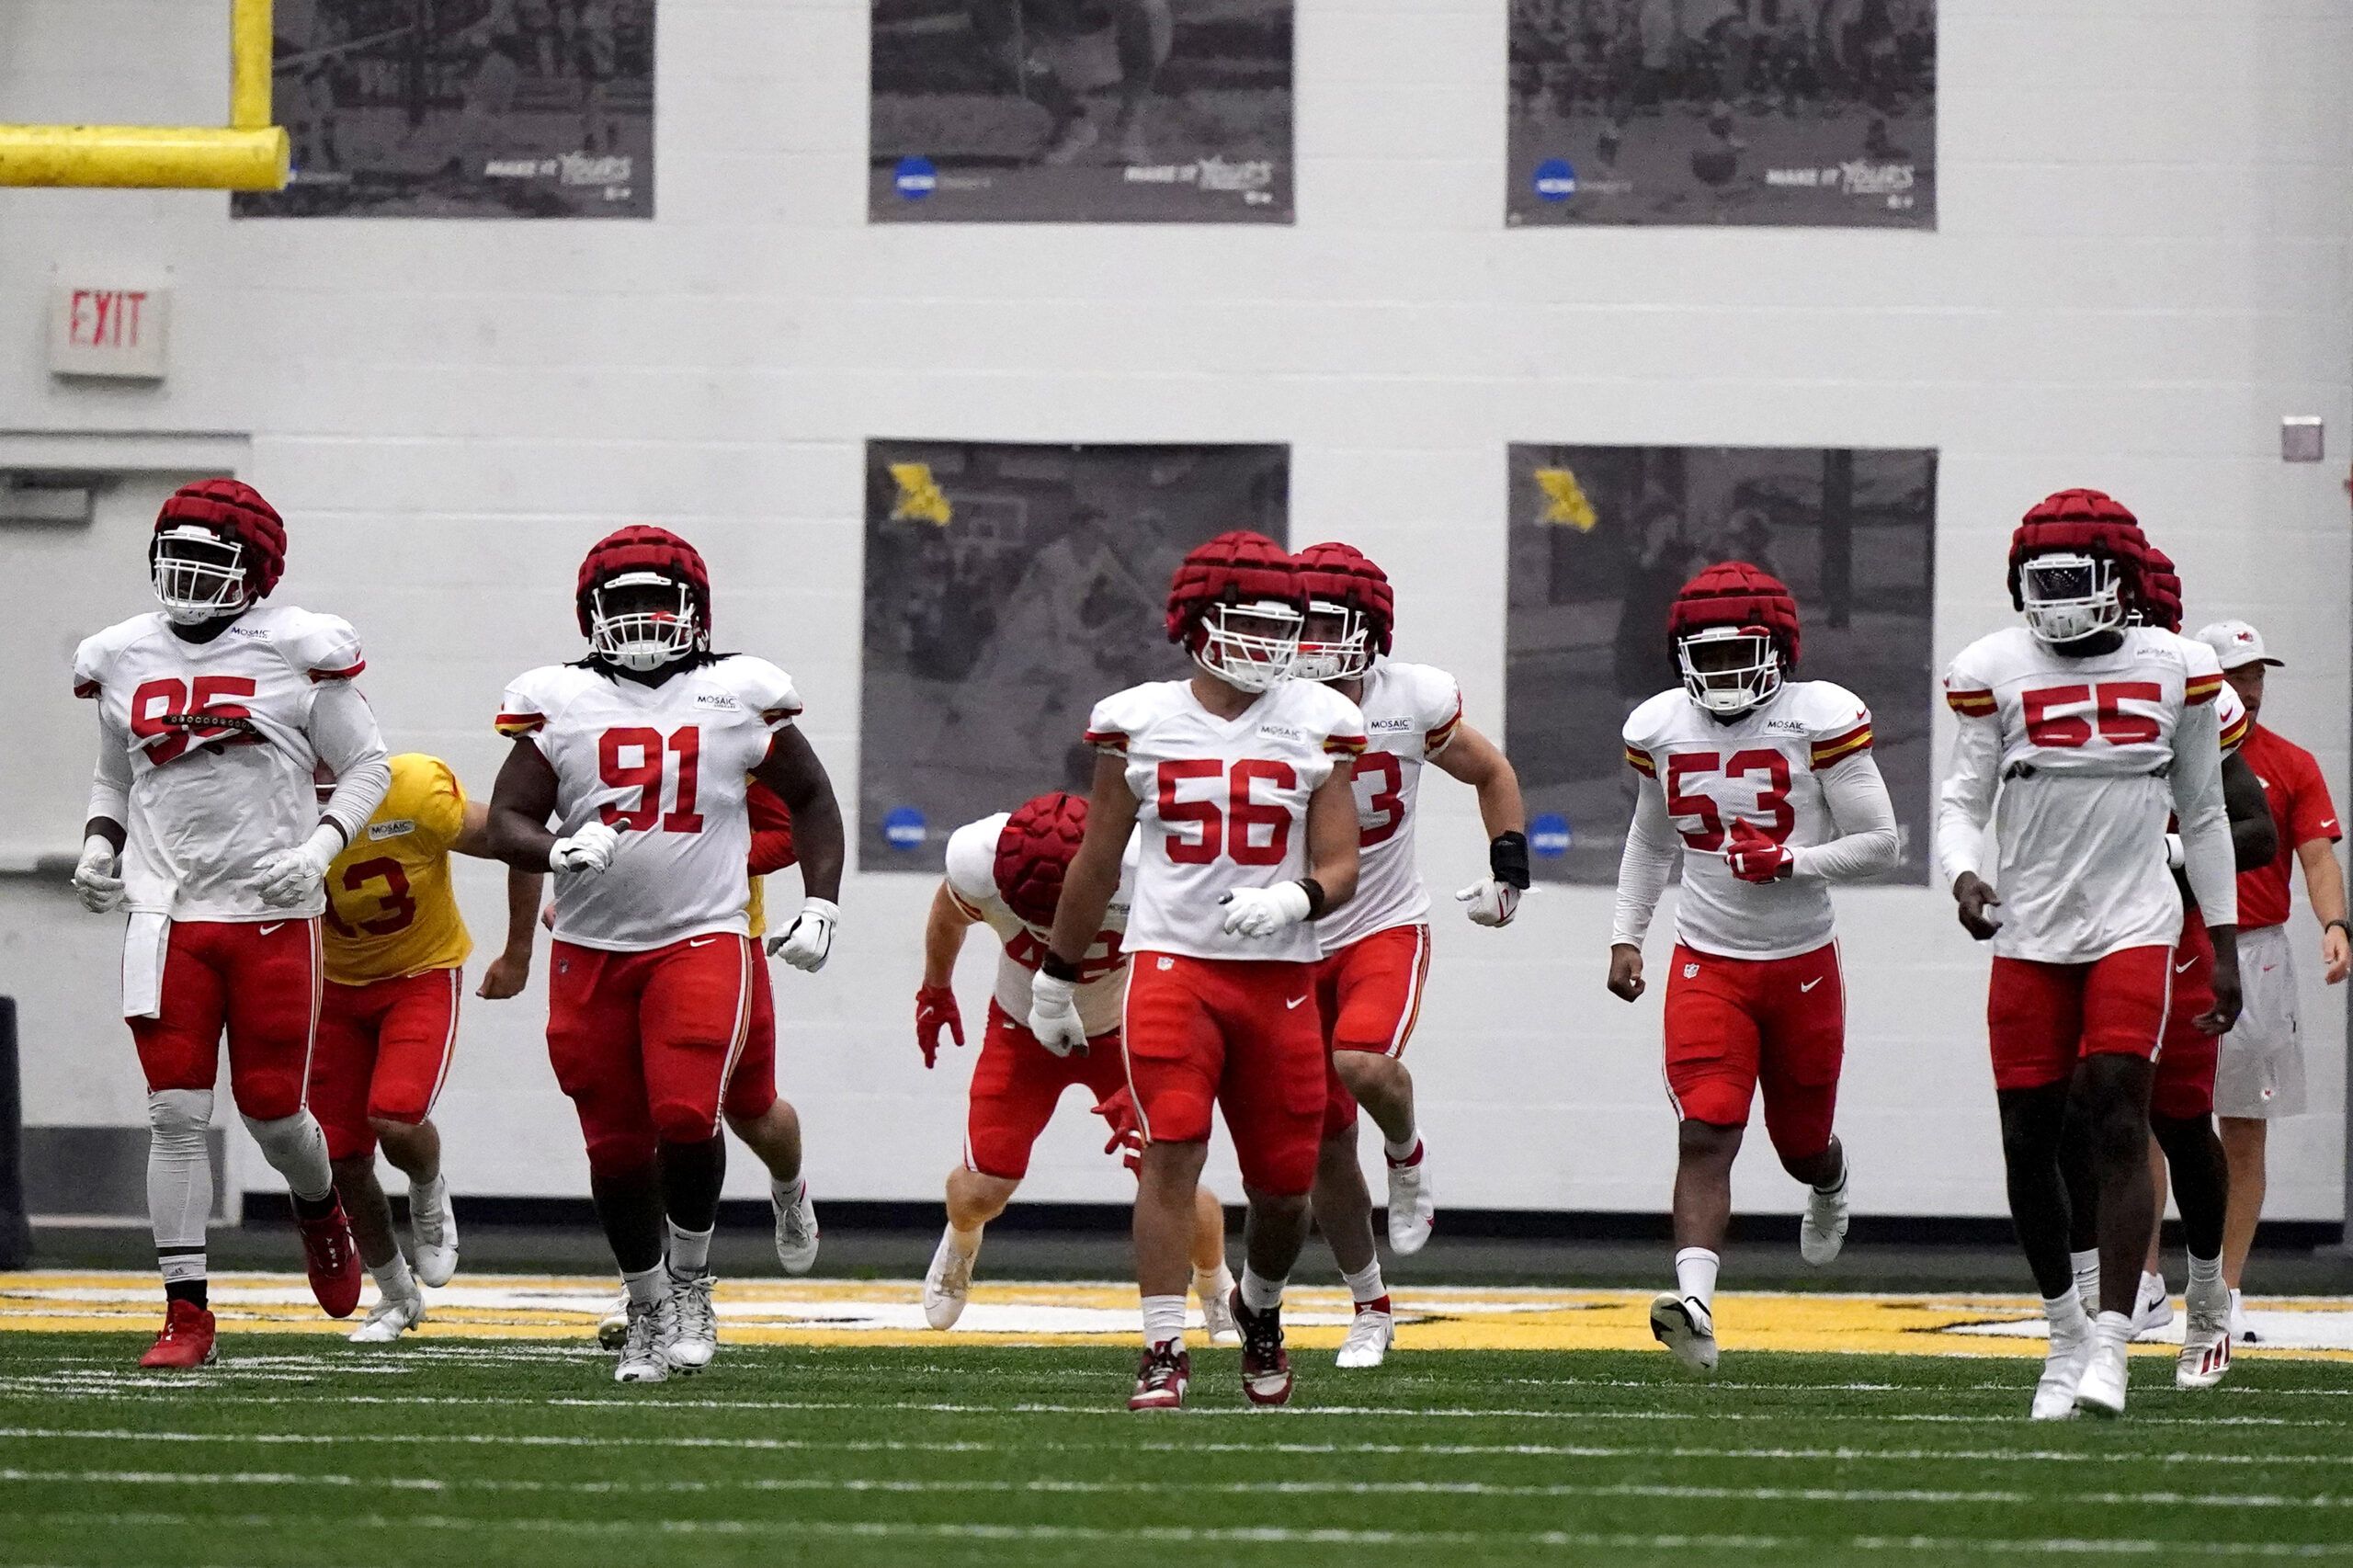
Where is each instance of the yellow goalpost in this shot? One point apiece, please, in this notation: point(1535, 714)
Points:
point(248, 153)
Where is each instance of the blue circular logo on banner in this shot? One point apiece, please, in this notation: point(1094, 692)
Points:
point(1550, 836)
point(1556, 179)
point(916, 178)
point(904, 828)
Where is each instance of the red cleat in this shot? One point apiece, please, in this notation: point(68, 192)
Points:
point(186, 1343)
point(332, 1261)
point(1266, 1365)
point(1162, 1378)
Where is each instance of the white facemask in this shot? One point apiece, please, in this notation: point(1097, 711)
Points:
point(1345, 658)
point(1747, 672)
point(2069, 597)
point(643, 636)
point(197, 575)
point(1251, 647)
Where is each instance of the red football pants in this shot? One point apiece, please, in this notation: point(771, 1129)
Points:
point(645, 1043)
point(2041, 1018)
point(1016, 1084)
point(384, 1053)
point(1736, 1024)
point(2184, 1085)
point(1243, 1035)
point(1370, 994)
point(751, 1088)
point(256, 979)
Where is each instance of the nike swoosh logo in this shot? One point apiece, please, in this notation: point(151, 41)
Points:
point(2330, 823)
point(1293, 1002)
point(2269, 967)
point(273, 925)
point(702, 941)
point(1810, 984)
point(2183, 965)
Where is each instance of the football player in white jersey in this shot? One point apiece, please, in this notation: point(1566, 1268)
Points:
point(2079, 734)
point(204, 824)
point(1376, 952)
point(643, 753)
point(1767, 786)
point(1005, 871)
point(1237, 782)
point(2182, 1145)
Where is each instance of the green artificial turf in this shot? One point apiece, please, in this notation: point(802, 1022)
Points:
point(304, 1451)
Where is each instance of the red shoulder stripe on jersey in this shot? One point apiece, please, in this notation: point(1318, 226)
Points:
point(779, 715)
point(340, 675)
point(1970, 704)
point(1343, 746)
point(962, 902)
point(86, 688)
point(2201, 690)
point(1108, 740)
point(2236, 734)
point(1641, 762)
point(1838, 748)
point(512, 724)
point(1439, 735)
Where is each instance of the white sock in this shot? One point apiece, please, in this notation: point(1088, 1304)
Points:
point(1695, 1275)
point(392, 1279)
point(1260, 1294)
point(1163, 1321)
point(689, 1251)
point(1403, 1153)
point(647, 1285)
point(1365, 1284)
point(967, 1242)
point(2114, 1328)
point(2066, 1316)
point(2207, 1270)
point(181, 1266)
point(1206, 1281)
point(2086, 1266)
point(296, 1150)
point(428, 1194)
point(788, 1193)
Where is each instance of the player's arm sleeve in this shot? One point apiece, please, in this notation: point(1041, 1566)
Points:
point(343, 734)
point(2207, 858)
point(771, 829)
point(765, 690)
point(971, 866)
point(441, 815)
point(522, 710)
point(110, 781)
point(1440, 711)
point(1868, 844)
point(1107, 727)
point(1649, 860)
point(2313, 815)
point(1965, 803)
point(1344, 730)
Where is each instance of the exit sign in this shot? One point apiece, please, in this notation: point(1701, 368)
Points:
point(97, 330)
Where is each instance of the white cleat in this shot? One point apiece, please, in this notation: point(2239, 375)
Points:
point(1685, 1326)
point(2153, 1308)
point(1217, 1307)
point(612, 1329)
point(796, 1230)
point(645, 1346)
point(1413, 1203)
point(2205, 1338)
point(694, 1337)
point(2101, 1390)
point(2063, 1371)
point(432, 1226)
point(948, 1283)
point(1824, 1230)
point(389, 1319)
point(1370, 1337)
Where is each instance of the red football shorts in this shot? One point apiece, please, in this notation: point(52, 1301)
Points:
point(2184, 1085)
point(384, 1054)
point(645, 1043)
point(1370, 995)
point(1016, 1085)
point(1736, 1024)
point(2044, 1017)
point(256, 979)
point(1241, 1034)
point(751, 1088)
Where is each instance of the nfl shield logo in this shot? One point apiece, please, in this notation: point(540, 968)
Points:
point(1691, 972)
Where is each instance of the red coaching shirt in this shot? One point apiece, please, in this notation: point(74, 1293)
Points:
point(2300, 804)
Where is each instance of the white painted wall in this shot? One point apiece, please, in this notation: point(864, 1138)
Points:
point(2142, 265)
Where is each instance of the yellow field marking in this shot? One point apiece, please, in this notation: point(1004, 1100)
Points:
point(888, 1314)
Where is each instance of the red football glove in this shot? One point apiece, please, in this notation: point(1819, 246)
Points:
point(1755, 855)
point(1118, 1111)
point(935, 1010)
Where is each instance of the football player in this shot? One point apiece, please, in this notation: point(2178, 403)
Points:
point(1051, 49)
point(1238, 779)
point(214, 712)
point(1376, 952)
point(395, 948)
point(640, 753)
point(2079, 733)
point(2181, 1094)
point(1767, 786)
point(1005, 871)
point(767, 1124)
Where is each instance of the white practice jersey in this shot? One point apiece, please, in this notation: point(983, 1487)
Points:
point(1102, 973)
point(2078, 763)
point(1222, 804)
point(669, 761)
point(1773, 766)
point(218, 743)
point(1411, 712)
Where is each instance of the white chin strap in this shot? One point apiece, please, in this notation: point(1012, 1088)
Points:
point(642, 639)
point(197, 576)
point(1250, 661)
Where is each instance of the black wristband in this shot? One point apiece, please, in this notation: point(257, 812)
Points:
point(1508, 859)
point(1053, 966)
point(2328, 925)
point(1316, 902)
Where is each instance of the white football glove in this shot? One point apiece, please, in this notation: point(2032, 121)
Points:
point(288, 876)
point(1262, 911)
point(591, 849)
point(1053, 1014)
point(95, 881)
point(809, 940)
point(1490, 903)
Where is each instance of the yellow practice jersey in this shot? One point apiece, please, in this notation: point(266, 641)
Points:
point(756, 908)
point(390, 908)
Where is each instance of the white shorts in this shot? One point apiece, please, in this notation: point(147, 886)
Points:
point(2259, 1069)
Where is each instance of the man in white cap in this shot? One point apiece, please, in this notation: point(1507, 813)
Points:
point(2259, 1074)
